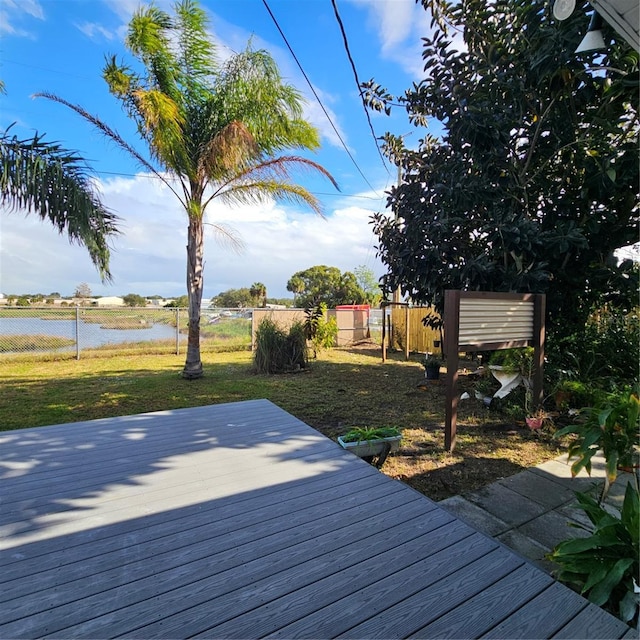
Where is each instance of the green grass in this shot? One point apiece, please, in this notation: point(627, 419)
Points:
point(340, 390)
point(35, 342)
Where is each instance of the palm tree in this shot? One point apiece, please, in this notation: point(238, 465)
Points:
point(43, 178)
point(213, 129)
point(258, 291)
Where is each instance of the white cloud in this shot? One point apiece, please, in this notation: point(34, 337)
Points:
point(399, 25)
point(93, 30)
point(13, 12)
point(150, 256)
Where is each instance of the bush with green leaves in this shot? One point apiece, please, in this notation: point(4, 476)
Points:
point(571, 394)
point(611, 427)
point(278, 351)
point(604, 565)
point(604, 352)
point(320, 330)
point(515, 360)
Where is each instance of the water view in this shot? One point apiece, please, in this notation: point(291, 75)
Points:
point(89, 334)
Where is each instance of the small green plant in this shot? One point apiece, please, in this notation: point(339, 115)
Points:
point(518, 360)
point(612, 427)
point(432, 361)
point(604, 565)
point(571, 394)
point(320, 330)
point(278, 351)
point(363, 434)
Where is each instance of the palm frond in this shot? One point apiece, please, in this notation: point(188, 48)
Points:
point(227, 236)
point(250, 89)
point(227, 152)
point(196, 51)
point(280, 168)
point(162, 121)
point(43, 178)
point(112, 135)
point(148, 39)
point(260, 191)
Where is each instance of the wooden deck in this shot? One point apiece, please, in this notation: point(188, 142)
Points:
point(240, 521)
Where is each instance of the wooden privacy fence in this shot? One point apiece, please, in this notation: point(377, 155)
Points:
point(353, 324)
point(405, 330)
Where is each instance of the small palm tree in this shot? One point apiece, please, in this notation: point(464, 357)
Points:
point(44, 178)
point(213, 129)
point(258, 291)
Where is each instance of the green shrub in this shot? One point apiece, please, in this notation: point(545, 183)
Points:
point(572, 394)
point(520, 360)
point(605, 352)
point(611, 427)
point(278, 351)
point(319, 330)
point(604, 565)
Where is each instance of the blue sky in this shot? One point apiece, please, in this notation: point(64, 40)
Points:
point(59, 46)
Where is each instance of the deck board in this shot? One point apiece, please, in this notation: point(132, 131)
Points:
point(240, 521)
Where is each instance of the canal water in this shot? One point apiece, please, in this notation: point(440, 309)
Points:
point(90, 334)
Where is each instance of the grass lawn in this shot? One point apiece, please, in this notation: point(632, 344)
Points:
point(342, 389)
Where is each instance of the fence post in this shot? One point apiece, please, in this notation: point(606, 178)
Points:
point(77, 332)
point(177, 331)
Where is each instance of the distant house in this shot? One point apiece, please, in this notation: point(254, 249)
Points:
point(108, 301)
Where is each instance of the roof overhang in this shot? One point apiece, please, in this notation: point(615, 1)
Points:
point(623, 16)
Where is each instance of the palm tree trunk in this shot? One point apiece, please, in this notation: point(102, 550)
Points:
point(195, 248)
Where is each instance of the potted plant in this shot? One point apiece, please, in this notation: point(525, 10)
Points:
point(432, 366)
point(367, 442)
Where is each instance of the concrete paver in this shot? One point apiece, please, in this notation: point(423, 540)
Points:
point(539, 488)
point(474, 515)
point(531, 511)
point(510, 506)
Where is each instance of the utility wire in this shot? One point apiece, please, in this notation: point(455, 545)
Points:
point(355, 75)
point(152, 177)
point(316, 95)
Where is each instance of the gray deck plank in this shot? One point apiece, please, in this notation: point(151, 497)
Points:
point(543, 616)
point(109, 460)
point(426, 604)
point(194, 476)
point(586, 623)
point(182, 588)
point(282, 523)
point(485, 609)
point(239, 520)
point(315, 577)
point(226, 515)
point(341, 598)
point(165, 524)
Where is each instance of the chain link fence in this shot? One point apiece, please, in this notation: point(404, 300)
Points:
point(80, 330)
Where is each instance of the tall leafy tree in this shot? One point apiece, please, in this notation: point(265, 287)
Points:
point(54, 183)
point(134, 300)
point(325, 285)
point(213, 129)
point(534, 183)
point(366, 280)
point(234, 298)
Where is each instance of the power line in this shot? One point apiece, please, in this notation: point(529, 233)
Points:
point(152, 177)
point(355, 74)
point(316, 95)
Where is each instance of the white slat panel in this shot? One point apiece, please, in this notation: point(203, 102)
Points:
point(495, 320)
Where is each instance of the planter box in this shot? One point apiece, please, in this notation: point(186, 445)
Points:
point(366, 448)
